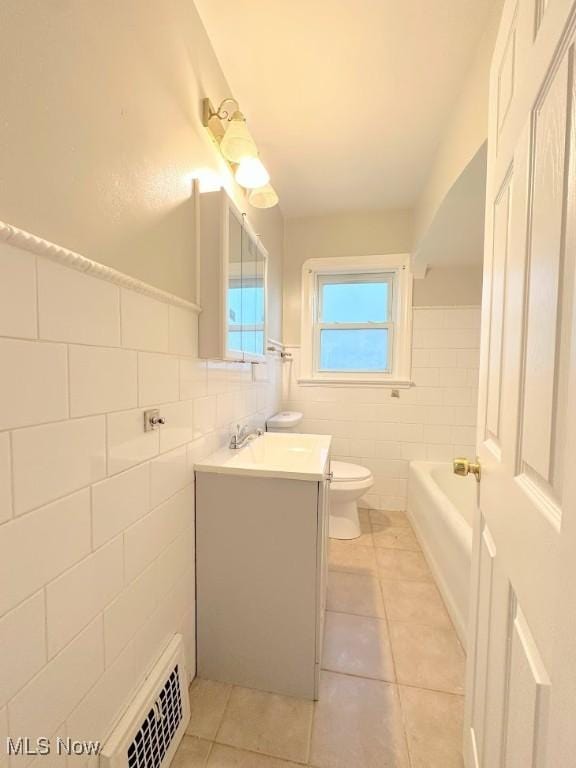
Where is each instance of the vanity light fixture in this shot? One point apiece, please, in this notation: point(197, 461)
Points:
point(265, 197)
point(237, 143)
point(230, 132)
point(251, 174)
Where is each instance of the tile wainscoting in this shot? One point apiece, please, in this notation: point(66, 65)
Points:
point(434, 420)
point(96, 515)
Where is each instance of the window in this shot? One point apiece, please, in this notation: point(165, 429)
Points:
point(356, 320)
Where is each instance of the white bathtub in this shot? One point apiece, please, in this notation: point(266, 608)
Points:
point(441, 508)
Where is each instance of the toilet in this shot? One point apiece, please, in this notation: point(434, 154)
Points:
point(349, 483)
point(285, 421)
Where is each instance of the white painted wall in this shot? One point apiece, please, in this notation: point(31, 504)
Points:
point(449, 286)
point(97, 516)
point(435, 419)
point(101, 134)
point(466, 131)
point(342, 234)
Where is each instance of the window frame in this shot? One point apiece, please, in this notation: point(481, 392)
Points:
point(394, 269)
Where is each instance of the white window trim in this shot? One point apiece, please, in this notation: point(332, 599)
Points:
point(399, 266)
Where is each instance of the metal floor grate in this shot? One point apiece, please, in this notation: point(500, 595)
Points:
point(155, 735)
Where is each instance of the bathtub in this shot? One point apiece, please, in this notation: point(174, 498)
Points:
point(441, 508)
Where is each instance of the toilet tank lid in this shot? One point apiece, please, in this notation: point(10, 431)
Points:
point(346, 472)
point(285, 419)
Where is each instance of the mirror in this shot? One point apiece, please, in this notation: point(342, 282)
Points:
point(260, 302)
point(234, 292)
point(249, 293)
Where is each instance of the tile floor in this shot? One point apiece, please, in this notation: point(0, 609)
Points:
point(392, 680)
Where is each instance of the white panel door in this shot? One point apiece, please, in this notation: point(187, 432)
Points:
point(521, 687)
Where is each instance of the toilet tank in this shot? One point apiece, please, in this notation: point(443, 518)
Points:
point(285, 421)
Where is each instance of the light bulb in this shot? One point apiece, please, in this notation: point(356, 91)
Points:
point(264, 197)
point(251, 174)
point(237, 142)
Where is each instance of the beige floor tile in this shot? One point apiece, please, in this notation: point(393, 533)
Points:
point(403, 565)
point(357, 645)
point(229, 757)
point(434, 725)
point(365, 538)
point(427, 657)
point(364, 516)
point(352, 558)
point(383, 519)
point(415, 602)
point(357, 724)
point(207, 703)
point(192, 753)
point(350, 593)
point(395, 537)
point(278, 726)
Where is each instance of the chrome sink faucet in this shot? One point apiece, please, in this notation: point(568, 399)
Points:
point(242, 436)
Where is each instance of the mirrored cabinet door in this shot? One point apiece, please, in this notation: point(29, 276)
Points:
point(248, 293)
point(260, 336)
point(234, 287)
point(232, 324)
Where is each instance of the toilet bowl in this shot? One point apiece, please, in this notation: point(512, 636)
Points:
point(349, 483)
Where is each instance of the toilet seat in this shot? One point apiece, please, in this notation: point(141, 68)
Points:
point(348, 473)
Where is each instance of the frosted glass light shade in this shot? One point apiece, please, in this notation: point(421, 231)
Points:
point(251, 174)
point(265, 197)
point(237, 142)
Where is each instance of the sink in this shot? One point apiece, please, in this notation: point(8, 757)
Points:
point(274, 454)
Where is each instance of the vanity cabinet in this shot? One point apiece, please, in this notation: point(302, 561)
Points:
point(261, 569)
point(233, 276)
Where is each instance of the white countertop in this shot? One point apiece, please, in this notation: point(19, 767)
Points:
point(274, 454)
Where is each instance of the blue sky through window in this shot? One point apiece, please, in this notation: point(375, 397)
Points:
point(355, 302)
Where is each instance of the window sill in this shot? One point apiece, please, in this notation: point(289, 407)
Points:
point(352, 382)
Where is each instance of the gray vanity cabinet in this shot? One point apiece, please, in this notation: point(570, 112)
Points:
point(261, 565)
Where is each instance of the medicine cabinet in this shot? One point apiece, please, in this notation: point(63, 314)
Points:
point(233, 275)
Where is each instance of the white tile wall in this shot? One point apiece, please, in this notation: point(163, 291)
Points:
point(169, 473)
point(158, 379)
point(433, 420)
point(53, 460)
point(34, 382)
point(118, 502)
point(145, 322)
point(102, 380)
point(3, 735)
point(126, 615)
point(38, 547)
point(82, 593)
point(17, 293)
point(76, 307)
point(22, 646)
point(5, 478)
point(96, 516)
point(62, 683)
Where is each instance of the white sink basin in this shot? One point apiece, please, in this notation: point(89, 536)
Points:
point(301, 457)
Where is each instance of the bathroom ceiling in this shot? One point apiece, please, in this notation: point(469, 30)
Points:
point(347, 99)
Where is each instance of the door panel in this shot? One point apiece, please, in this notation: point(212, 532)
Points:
point(545, 264)
point(527, 696)
point(500, 253)
point(487, 555)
